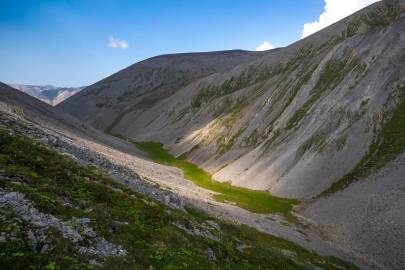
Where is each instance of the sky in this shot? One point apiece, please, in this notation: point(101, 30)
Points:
point(78, 42)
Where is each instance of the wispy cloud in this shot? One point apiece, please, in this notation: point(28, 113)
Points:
point(334, 11)
point(265, 46)
point(116, 43)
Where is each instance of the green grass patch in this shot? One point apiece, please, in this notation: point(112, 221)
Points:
point(315, 142)
point(252, 200)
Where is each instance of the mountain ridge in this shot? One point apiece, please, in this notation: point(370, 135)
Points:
point(160, 74)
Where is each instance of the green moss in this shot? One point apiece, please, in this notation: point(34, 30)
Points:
point(387, 145)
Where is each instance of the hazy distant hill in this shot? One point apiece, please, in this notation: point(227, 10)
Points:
point(50, 94)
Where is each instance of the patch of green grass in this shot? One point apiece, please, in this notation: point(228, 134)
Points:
point(252, 139)
point(197, 213)
point(387, 145)
point(340, 142)
point(19, 111)
point(381, 17)
point(315, 142)
point(145, 230)
point(252, 200)
point(364, 103)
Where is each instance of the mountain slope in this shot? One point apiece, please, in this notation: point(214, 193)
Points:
point(48, 93)
point(71, 198)
point(316, 121)
point(146, 83)
point(293, 122)
point(45, 224)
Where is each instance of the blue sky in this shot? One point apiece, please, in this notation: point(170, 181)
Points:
point(65, 43)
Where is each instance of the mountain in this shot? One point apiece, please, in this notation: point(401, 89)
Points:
point(48, 93)
point(145, 84)
point(72, 197)
point(321, 121)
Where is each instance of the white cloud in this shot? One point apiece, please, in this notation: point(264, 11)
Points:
point(265, 46)
point(116, 43)
point(334, 11)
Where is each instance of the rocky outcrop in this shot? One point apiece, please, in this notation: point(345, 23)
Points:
point(76, 230)
point(86, 156)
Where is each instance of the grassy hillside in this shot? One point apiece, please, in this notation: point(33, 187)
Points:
point(153, 236)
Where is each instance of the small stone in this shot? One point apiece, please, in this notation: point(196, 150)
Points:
point(213, 224)
point(241, 248)
point(95, 263)
point(44, 248)
point(211, 255)
point(89, 232)
point(81, 221)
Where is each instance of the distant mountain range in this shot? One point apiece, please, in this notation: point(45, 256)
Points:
point(50, 94)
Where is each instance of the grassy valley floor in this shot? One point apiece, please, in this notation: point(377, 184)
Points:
point(252, 200)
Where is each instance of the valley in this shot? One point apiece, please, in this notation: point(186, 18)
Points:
point(290, 158)
point(251, 200)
